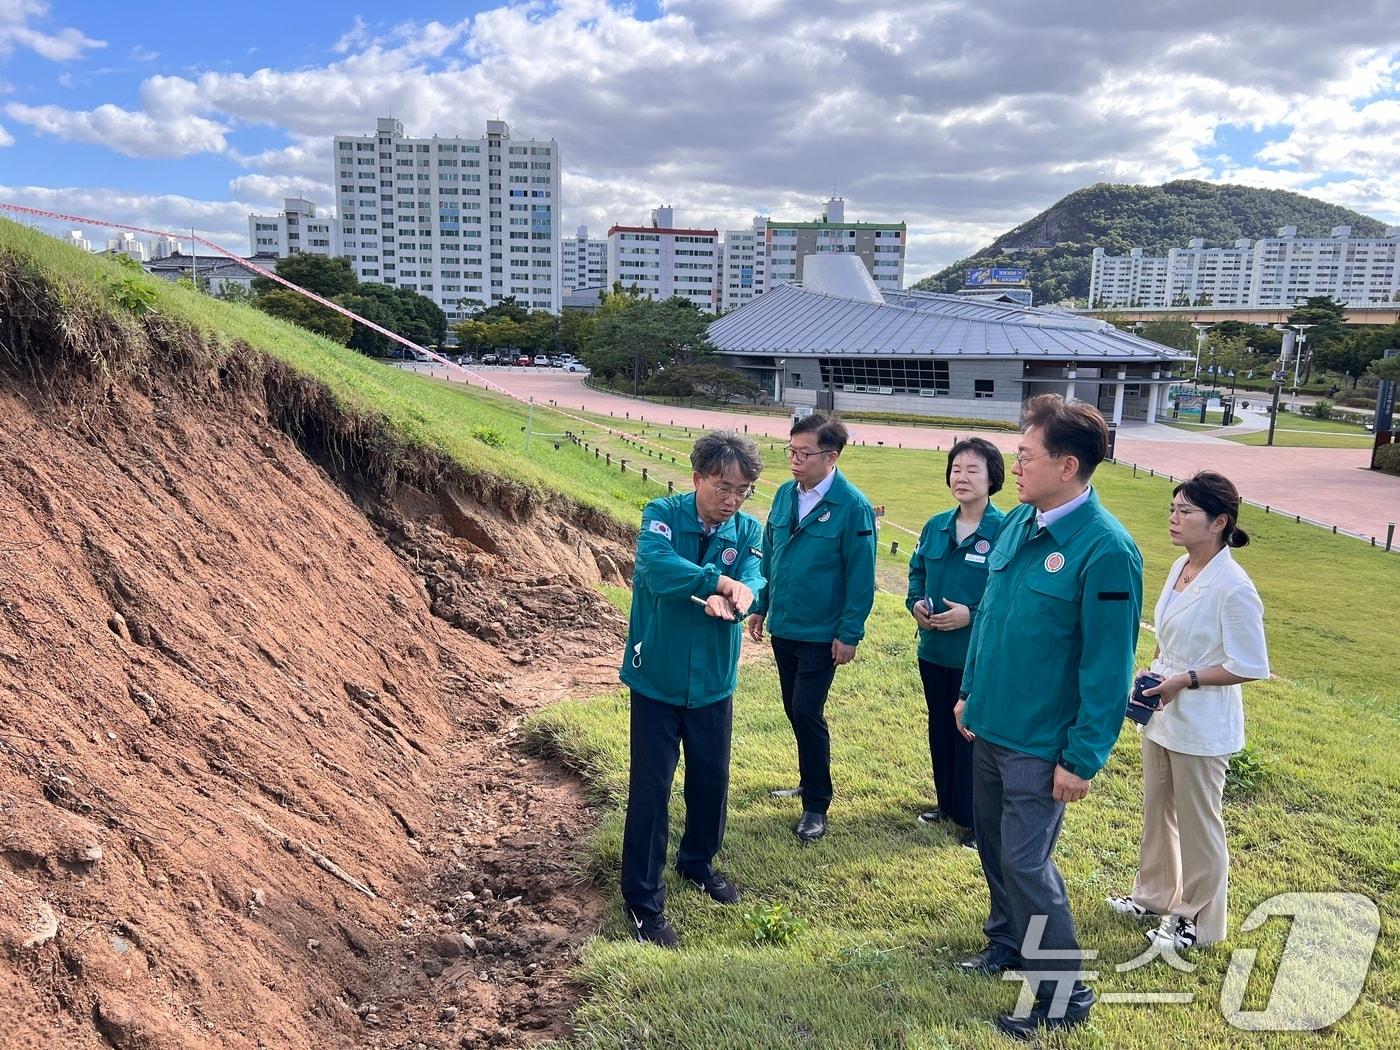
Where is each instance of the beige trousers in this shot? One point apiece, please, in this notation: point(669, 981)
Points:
point(1185, 865)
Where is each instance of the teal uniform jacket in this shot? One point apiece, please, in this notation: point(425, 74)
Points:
point(820, 571)
point(676, 652)
point(1051, 658)
point(939, 568)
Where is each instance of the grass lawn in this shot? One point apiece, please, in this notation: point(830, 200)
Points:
point(1350, 437)
point(886, 904)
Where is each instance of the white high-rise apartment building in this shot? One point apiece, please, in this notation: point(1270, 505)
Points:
point(464, 221)
point(745, 270)
point(165, 247)
point(662, 260)
point(127, 244)
point(880, 245)
point(294, 230)
point(585, 262)
point(77, 240)
point(1274, 271)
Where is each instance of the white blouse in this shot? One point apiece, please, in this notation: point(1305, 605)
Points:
point(1217, 619)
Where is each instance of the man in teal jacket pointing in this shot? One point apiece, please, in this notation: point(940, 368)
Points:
point(1048, 671)
point(697, 574)
point(819, 561)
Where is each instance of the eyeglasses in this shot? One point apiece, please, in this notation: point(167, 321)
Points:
point(726, 492)
point(801, 455)
point(1021, 457)
point(1177, 510)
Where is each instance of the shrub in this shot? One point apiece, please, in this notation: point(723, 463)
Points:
point(488, 437)
point(772, 924)
point(1322, 410)
point(1388, 459)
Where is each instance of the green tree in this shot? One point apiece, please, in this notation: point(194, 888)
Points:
point(298, 309)
point(638, 337)
point(366, 340)
point(1353, 355)
point(234, 292)
point(322, 274)
point(506, 309)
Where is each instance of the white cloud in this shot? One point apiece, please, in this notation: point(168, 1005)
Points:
point(962, 119)
point(134, 134)
point(143, 54)
point(6, 139)
point(16, 31)
point(223, 222)
point(272, 189)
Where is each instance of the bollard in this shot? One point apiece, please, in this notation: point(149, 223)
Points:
point(1389, 535)
point(1266, 508)
point(1334, 530)
point(595, 453)
point(644, 474)
point(894, 546)
point(609, 459)
point(624, 465)
point(1134, 470)
point(1297, 519)
point(670, 488)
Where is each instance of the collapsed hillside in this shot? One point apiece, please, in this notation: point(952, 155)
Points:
point(260, 671)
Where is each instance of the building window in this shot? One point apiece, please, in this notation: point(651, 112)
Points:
point(984, 388)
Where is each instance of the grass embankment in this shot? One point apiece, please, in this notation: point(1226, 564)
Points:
point(481, 434)
point(887, 904)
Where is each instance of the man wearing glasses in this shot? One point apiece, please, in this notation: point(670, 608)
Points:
point(819, 561)
point(1049, 666)
point(697, 573)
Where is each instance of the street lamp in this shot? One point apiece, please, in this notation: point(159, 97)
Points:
point(1299, 346)
point(1201, 330)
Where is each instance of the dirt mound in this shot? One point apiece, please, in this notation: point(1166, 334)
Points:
point(259, 776)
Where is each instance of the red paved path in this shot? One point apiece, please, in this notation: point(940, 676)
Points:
point(1325, 484)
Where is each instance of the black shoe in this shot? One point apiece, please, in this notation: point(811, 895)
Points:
point(786, 792)
point(720, 889)
point(653, 929)
point(990, 961)
point(811, 827)
point(968, 840)
point(933, 816)
point(1040, 1019)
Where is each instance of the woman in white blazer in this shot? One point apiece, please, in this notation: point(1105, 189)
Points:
point(1210, 640)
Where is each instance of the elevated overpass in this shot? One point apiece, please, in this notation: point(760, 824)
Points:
point(1380, 314)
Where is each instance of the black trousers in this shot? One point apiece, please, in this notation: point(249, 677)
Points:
point(805, 673)
point(659, 732)
point(1017, 821)
point(950, 751)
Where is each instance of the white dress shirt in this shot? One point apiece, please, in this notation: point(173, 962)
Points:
point(807, 499)
point(1045, 518)
point(1216, 620)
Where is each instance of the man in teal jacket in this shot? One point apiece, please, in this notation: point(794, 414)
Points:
point(819, 561)
point(1048, 672)
point(697, 574)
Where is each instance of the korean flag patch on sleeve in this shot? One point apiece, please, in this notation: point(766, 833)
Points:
point(661, 527)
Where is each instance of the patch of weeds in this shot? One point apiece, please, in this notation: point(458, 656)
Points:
point(773, 924)
point(487, 436)
point(1248, 769)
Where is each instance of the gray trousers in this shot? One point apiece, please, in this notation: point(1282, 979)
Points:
point(1017, 822)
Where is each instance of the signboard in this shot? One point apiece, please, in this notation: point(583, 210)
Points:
point(984, 276)
point(1385, 405)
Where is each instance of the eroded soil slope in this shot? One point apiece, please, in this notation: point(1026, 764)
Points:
point(258, 777)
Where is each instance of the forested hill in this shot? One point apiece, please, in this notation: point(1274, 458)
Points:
point(1057, 245)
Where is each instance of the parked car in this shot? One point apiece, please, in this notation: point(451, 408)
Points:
point(490, 359)
point(575, 366)
point(541, 361)
point(523, 360)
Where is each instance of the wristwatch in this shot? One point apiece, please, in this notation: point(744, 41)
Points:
point(1195, 682)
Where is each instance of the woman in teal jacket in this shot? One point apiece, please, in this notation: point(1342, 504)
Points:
point(947, 573)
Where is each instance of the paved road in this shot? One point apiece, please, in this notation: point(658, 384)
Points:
point(1325, 484)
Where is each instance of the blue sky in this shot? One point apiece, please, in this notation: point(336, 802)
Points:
point(962, 119)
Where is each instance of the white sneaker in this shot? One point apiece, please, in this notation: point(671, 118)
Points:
point(1131, 908)
point(1176, 930)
